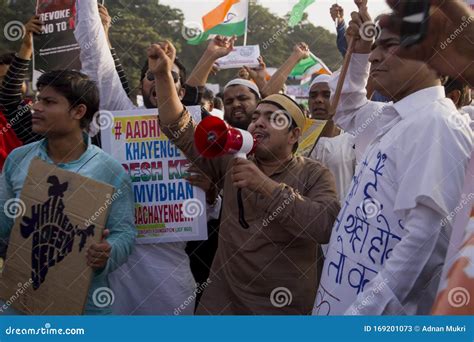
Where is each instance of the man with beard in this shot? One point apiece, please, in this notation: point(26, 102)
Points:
point(289, 203)
point(389, 242)
point(240, 100)
point(240, 96)
point(335, 149)
point(157, 278)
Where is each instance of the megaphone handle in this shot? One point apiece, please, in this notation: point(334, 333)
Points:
point(240, 204)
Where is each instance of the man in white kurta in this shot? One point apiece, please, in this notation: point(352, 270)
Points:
point(337, 150)
point(157, 278)
point(388, 245)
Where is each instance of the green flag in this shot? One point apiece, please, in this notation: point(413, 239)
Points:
point(309, 66)
point(297, 12)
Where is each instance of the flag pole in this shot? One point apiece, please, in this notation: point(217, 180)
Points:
point(342, 76)
point(246, 24)
point(337, 94)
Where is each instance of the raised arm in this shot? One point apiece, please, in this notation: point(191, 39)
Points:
point(175, 121)
point(17, 113)
point(106, 24)
point(96, 58)
point(337, 14)
point(275, 84)
point(259, 75)
point(219, 47)
point(355, 113)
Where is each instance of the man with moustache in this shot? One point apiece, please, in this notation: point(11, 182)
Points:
point(240, 100)
point(388, 244)
point(335, 149)
point(157, 277)
point(289, 203)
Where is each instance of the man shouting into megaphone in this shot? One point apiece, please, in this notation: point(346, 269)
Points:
point(290, 206)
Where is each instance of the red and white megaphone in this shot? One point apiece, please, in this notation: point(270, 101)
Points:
point(214, 137)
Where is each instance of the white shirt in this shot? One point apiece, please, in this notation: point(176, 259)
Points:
point(338, 155)
point(469, 110)
point(157, 278)
point(387, 247)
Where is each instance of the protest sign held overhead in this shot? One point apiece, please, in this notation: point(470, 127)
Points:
point(239, 57)
point(56, 48)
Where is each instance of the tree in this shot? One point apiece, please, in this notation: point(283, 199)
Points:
point(138, 23)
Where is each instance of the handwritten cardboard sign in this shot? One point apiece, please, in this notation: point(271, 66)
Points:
point(45, 270)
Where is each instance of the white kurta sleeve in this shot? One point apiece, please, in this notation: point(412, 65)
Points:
point(213, 211)
point(355, 114)
point(386, 293)
point(96, 58)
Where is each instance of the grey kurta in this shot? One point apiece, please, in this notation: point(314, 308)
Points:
point(277, 259)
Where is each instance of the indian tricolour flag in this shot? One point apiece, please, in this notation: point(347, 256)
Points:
point(227, 19)
point(308, 67)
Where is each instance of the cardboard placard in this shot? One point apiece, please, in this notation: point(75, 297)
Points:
point(239, 57)
point(46, 271)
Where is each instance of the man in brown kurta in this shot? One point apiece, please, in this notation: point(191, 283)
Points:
point(289, 202)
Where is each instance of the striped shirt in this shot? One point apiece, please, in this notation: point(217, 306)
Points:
point(16, 110)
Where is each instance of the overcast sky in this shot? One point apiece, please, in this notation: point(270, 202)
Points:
point(318, 12)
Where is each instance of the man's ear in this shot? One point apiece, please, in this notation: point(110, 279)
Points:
point(79, 111)
point(294, 136)
point(181, 93)
point(454, 95)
